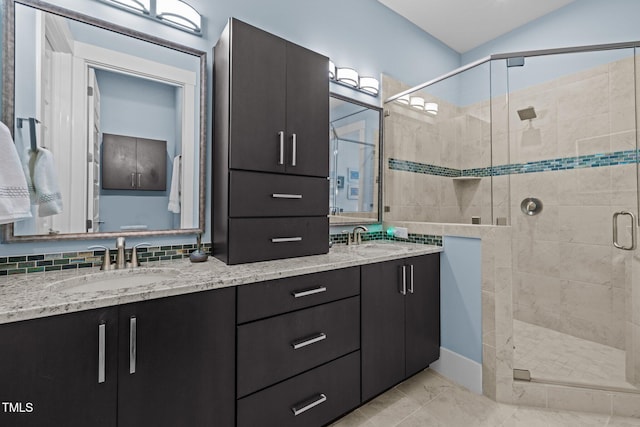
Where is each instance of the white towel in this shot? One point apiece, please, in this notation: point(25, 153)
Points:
point(176, 185)
point(14, 194)
point(43, 182)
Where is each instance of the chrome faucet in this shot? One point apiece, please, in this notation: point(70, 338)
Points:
point(121, 259)
point(357, 233)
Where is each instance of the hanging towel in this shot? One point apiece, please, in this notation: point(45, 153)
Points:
point(14, 194)
point(43, 182)
point(176, 185)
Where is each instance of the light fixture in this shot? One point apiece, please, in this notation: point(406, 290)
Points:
point(431, 107)
point(403, 100)
point(175, 13)
point(370, 85)
point(347, 76)
point(332, 70)
point(178, 13)
point(417, 102)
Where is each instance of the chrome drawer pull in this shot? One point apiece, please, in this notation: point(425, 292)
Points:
point(286, 196)
point(308, 341)
point(286, 239)
point(133, 329)
point(308, 292)
point(304, 407)
point(102, 335)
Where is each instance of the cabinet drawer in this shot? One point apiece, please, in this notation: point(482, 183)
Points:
point(293, 293)
point(334, 388)
point(253, 194)
point(262, 239)
point(275, 349)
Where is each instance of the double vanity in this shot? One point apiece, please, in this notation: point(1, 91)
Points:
point(295, 342)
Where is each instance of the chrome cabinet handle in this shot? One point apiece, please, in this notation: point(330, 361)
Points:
point(133, 180)
point(308, 404)
point(102, 347)
point(294, 149)
point(404, 280)
point(615, 231)
point(285, 239)
point(286, 196)
point(308, 341)
point(139, 179)
point(411, 278)
point(133, 329)
point(281, 136)
point(300, 294)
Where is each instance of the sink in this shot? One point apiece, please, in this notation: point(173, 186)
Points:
point(373, 248)
point(113, 280)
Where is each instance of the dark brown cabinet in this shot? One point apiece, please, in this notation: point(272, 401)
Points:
point(271, 145)
point(163, 362)
point(298, 351)
point(400, 320)
point(133, 163)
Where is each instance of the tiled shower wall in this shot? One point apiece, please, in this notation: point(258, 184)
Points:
point(567, 274)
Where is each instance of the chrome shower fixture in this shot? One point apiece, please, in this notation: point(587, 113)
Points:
point(527, 113)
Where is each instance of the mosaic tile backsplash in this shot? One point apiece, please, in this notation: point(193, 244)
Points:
point(24, 264)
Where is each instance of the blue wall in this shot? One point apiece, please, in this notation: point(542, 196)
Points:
point(461, 297)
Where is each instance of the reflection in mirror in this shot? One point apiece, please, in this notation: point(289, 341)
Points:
point(87, 84)
point(354, 169)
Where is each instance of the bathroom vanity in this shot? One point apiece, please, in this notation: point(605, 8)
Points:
point(285, 343)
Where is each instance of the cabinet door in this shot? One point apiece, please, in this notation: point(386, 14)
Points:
point(383, 319)
point(118, 162)
point(307, 112)
point(50, 368)
point(182, 372)
point(151, 172)
point(422, 330)
point(258, 97)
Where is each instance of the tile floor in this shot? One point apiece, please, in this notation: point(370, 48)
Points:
point(552, 355)
point(428, 399)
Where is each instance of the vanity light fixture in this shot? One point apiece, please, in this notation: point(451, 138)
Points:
point(403, 100)
point(348, 76)
point(175, 13)
point(431, 108)
point(417, 102)
point(370, 85)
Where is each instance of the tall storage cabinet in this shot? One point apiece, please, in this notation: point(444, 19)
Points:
point(270, 145)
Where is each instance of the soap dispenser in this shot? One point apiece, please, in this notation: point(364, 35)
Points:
point(198, 255)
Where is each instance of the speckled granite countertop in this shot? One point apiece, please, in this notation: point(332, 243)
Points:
point(30, 296)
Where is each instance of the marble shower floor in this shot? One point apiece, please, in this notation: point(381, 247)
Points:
point(428, 399)
point(552, 355)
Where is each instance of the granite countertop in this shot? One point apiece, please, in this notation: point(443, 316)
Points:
point(30, 296)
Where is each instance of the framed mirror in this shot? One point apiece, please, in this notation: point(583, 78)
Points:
point(355, 144)
point(74, 84)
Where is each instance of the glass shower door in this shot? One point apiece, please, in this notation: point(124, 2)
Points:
point(573, 166)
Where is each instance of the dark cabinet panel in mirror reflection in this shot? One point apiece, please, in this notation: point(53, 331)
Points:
point(108, 80)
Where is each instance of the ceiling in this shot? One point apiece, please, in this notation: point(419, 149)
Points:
point(465, 24)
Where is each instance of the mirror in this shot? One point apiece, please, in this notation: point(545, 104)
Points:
point(354, 161)
point(88, 83)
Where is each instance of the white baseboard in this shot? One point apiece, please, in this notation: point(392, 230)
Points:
point(459, 369)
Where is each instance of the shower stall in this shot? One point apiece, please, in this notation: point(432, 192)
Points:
point(545, 142)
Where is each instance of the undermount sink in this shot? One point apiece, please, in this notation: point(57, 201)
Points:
point(113, 280)
point(372, 248)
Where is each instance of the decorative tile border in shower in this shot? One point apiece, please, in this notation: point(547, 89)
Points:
point(565, 163)
point(24, 264)
point(423, 239)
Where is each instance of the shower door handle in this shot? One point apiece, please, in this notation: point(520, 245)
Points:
point(615, 231)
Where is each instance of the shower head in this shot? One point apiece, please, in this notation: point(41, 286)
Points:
point(527, 113)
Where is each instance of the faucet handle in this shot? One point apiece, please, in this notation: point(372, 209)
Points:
point(106, 260)
point(348, 236)
point(134, 254)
